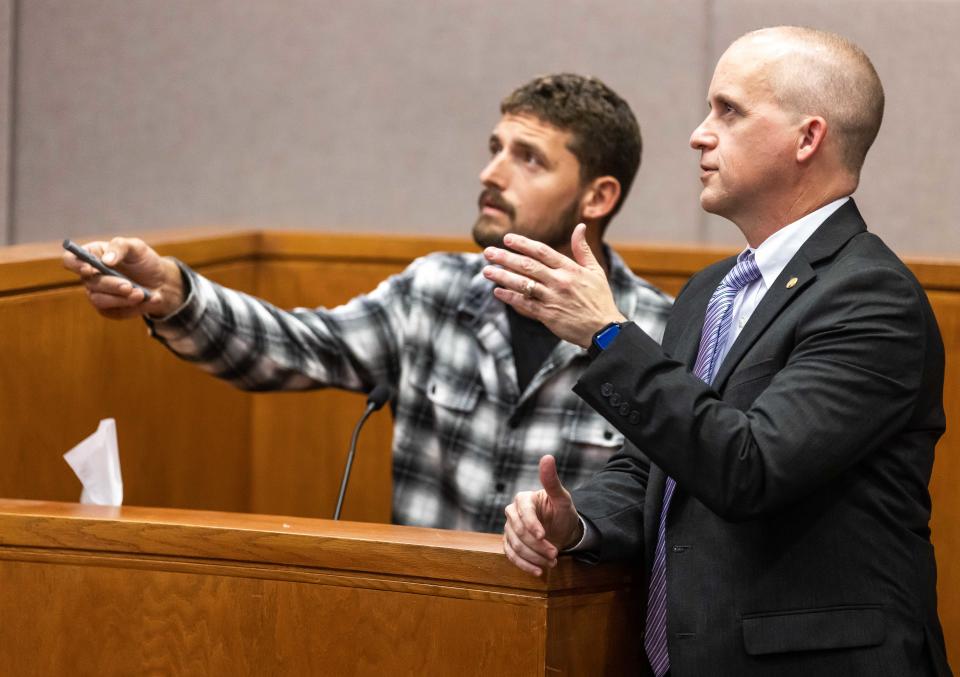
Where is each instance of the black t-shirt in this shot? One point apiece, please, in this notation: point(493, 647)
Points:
point(532, 343)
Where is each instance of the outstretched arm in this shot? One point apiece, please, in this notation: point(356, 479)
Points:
point(246, 340)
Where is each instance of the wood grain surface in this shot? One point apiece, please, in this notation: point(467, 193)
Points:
point(128, 591)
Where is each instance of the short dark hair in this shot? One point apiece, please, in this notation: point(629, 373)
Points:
point(825, 74)
point(606, 136)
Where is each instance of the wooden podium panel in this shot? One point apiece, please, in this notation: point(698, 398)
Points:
point(128, 591)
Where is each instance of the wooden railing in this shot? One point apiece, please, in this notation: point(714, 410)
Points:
point(91, 590)
point(189, 441)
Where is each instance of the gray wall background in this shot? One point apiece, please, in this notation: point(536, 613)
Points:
point(373, 115)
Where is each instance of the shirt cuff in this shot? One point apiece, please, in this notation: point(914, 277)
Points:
point(590, 541)
point(178, 322)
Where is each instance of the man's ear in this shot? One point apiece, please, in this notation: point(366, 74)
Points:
point(600, 198)
point(813, 132)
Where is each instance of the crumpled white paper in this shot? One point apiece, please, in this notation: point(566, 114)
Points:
point(96, 461)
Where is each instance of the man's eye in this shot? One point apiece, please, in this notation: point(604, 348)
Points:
point(531, 159)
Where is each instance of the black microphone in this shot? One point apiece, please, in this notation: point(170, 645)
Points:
point(379, 396)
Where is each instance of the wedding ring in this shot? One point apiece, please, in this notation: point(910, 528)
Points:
point(528, 287)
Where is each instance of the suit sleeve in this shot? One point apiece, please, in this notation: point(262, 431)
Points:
point(850, 381)
point(613, 502)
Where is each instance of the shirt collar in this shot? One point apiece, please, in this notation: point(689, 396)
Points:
point(774, 253)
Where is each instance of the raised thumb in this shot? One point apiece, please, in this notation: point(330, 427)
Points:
point(582, 253)
point(550, 479)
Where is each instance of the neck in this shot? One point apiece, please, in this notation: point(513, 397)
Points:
point(757, 227)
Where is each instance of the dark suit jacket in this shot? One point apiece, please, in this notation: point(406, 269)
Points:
point(797, 539)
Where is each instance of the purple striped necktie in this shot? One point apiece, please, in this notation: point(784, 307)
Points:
point(716, 327)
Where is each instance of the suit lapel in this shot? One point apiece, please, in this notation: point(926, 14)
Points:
point(824, 243)
point(687, 341)
point(773, 302)
point(653, 505)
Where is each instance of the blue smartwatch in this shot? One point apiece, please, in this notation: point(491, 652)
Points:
point(602, 339)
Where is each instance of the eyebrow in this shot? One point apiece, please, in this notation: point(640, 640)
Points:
point(523, 145)
point(531, 147)
point(724, 99)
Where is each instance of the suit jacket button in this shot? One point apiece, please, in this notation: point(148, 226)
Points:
point(634, 417)
point(624, 409)
point(606, 389)
point(615, 399)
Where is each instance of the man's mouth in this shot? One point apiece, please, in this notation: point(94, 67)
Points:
point(491, 202)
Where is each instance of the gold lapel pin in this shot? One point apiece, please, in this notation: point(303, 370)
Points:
point(791, 283)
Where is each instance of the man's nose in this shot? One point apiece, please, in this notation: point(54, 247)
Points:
point(703, 137)
point(494, 174)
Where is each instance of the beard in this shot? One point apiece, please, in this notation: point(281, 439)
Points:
point(488, 231)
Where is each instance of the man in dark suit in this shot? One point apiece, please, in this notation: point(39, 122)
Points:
point(778, 494)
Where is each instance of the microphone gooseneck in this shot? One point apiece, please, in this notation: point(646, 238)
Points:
point(379, 396)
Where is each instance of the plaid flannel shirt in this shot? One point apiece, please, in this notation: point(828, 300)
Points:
point(465, 438)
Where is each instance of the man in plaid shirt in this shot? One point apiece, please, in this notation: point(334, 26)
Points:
point(481, 393)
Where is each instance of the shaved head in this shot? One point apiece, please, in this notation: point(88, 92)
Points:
point(813, 72)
